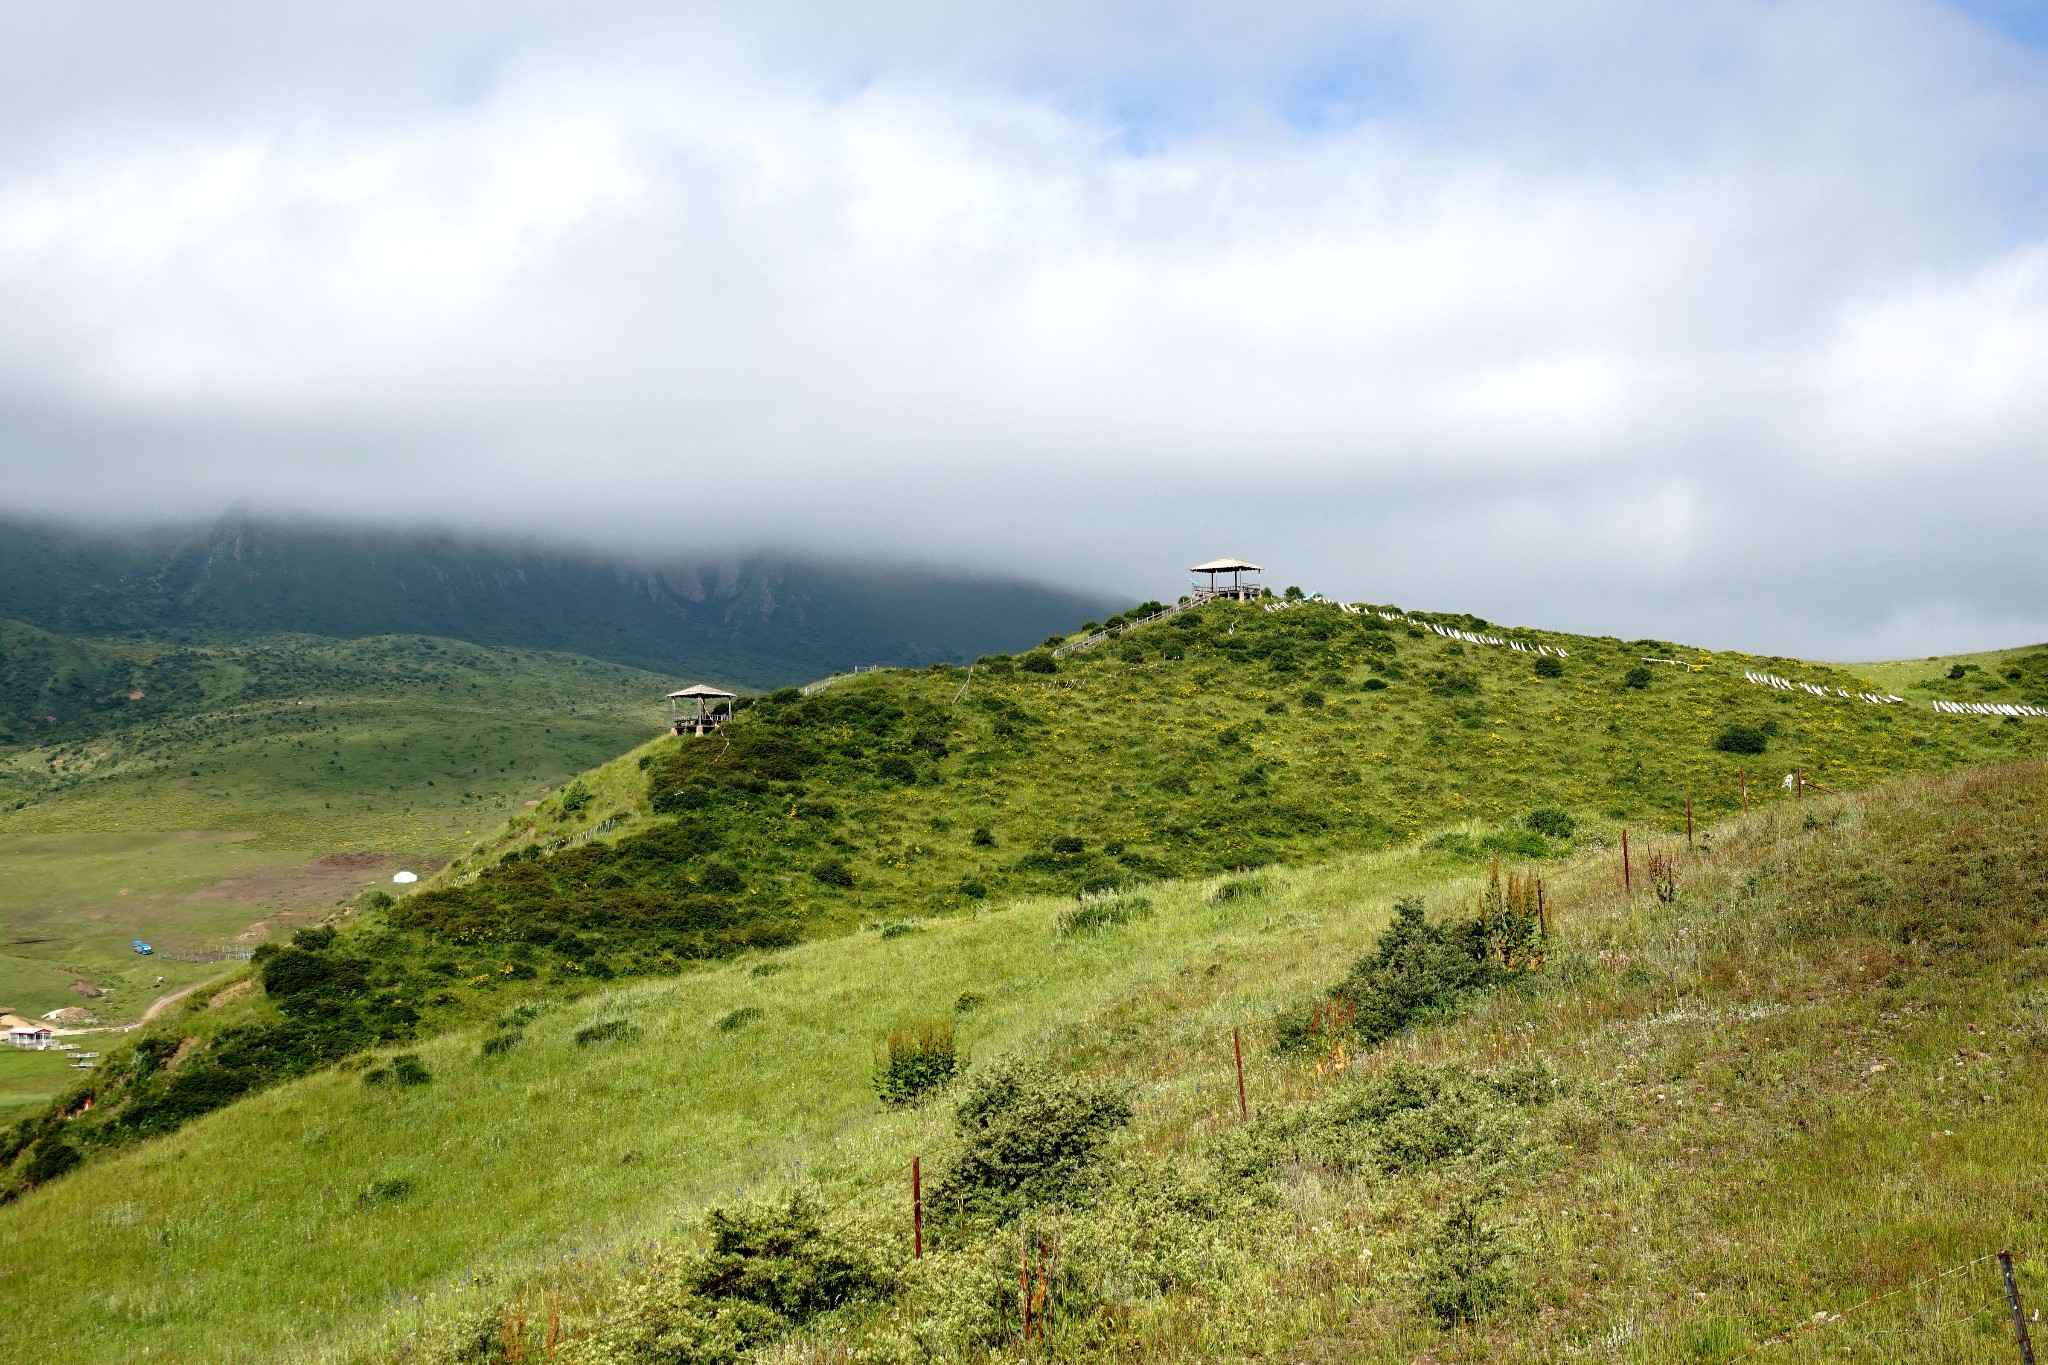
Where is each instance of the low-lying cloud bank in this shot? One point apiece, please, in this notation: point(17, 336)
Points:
point(1727, 327)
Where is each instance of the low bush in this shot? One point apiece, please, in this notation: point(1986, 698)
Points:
point(1404, 1120)
point(1102, 912)
point(916, 1061)
point(1638, 677)
point(605, 1031)
point(1465, 1275)
point(1249, 886)
point(1027, 1137)
point(1419, 971)
point(739, 1019)
point(1547, 667)
point(1550, 822)
point(1039, 661)
point(769, 1269)
point(832, 871)
point(1453, 682)
point(1742, 739)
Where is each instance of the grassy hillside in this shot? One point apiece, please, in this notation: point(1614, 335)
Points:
point(758, 621)
point(1806, 1076)
point(1228, 738)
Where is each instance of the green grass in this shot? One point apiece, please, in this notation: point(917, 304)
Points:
point(1730, 1158)
point(1263, 741)
point(28, 1079)
point(1354, 759)
point(245, 778)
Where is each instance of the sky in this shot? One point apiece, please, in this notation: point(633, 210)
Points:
point(1723, 322)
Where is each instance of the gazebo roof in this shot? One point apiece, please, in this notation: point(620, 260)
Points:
point(1225, 566)
point(700, 690)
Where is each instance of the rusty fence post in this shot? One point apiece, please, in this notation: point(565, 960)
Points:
point(1627, 880)
point(1237, 1043)
point(2019, 1317)
point(916, 1210)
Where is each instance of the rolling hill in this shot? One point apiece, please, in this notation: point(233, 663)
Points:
point(1102, 862)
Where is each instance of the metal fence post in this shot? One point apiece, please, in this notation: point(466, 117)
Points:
point(2019, 1317)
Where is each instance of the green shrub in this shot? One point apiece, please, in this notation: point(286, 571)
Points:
point(1453, 682)
point(769, 1269)
point(407, 1069)
point(832, 871)
point(1638, 677)
point(606, 1031)
point(914, 1062)
point(1419, 971)
point(1404, 1120)
point(1742, 739)
point(1547, 667)
point(1465, 1275)
point(974, 890)
point(1040, 661)
point(499, 1043)
point(389, 1190)
point(1068, 844)
point(982, 837)
point(1248, 886)
point(739, 1019)
point(48, 1159)
point(781, 1258)
point(719, 876)
point(1312, 699)
point(1027, 1137)
point(897, 928)
point(1101, 912)
point(817, 810)
point(1551, 822)
point(1374, 684)
point(575, 797)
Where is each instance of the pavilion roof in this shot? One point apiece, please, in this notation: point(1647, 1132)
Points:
point(700, 690)
point(1225, 566)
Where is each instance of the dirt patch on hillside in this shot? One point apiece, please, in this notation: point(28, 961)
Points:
point(285, 897)
point(287, 887)
point(215, 836)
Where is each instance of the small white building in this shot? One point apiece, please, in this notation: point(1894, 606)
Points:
point(28, 1033)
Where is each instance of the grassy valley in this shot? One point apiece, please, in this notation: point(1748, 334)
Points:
point(202, 798)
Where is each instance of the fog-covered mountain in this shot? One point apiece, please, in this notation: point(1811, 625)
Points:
point(754, 621)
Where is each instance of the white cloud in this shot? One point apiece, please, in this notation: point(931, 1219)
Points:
point(1610, 321)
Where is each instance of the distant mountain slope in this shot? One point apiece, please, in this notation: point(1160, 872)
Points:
point(758, 621)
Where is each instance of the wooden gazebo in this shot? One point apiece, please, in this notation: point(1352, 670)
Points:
point(1237, 588)
point(710, 714)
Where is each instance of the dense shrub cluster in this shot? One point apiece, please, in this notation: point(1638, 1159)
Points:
point(1027, 1138)
point(1420, 970)
point(768, 1270)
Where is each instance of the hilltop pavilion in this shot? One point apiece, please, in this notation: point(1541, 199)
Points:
point(710, 713)
point(1237, 589)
